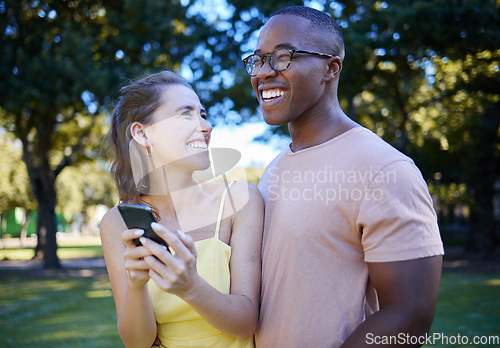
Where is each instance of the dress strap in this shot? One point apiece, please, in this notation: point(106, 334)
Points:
point(221, 207)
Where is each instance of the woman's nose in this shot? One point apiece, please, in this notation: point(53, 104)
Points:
point(206, 129)
point(204, 126)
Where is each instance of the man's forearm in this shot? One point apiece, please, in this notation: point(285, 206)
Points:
point(391, 328)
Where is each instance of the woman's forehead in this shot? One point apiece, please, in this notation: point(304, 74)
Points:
point(177, 96)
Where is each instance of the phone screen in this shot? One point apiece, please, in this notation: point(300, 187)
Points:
point(140, 216)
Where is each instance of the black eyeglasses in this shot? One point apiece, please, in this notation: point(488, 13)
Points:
point(280, 59)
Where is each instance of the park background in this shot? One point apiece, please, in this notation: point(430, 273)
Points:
point(424, 75)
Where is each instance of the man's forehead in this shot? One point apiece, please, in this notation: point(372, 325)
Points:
point(287, 21)
point(283, 30)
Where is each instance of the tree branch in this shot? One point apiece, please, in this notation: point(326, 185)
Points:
point(68, 160)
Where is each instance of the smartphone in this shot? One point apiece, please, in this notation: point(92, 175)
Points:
point(140, 216)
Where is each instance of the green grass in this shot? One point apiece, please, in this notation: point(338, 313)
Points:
point(468, 306)
point(67, 249)
point(57, 312)
point(67, 252)
point(79, 311)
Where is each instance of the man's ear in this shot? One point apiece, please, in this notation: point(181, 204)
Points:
point(138, 133)
point(334, 69)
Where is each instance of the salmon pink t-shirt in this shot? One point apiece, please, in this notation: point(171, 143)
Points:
point(329, 210)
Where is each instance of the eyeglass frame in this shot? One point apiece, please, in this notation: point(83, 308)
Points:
point(292, 51)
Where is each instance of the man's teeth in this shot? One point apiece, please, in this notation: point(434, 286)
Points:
point(272, 93)
point(198, 145)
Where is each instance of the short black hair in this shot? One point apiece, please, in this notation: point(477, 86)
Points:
point(318, 20)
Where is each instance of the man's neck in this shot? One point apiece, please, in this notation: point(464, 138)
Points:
point(320, 128)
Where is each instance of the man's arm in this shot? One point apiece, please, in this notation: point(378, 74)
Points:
point(407, 293)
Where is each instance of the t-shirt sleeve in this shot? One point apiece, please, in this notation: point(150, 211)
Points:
point(396, 217)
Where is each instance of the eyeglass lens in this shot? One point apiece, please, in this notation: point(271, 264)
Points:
point(279, 59)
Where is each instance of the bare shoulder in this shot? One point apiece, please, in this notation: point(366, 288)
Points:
point(246, 193)
point(111, 222)
point(244, 187)
point(247, 219)
point(246, 202)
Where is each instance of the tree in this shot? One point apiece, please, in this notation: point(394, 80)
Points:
point(14, 185)
point(457, 64)
point(61, 62)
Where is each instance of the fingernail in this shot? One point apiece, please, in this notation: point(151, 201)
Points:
point(181, 233)
point(142, 239)
point(139, 232)
point(155, 225)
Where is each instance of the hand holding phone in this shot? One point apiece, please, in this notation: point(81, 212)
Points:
point(140, 216)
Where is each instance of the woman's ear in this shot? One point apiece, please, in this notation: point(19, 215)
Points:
point(138, 133)
point(334, 69)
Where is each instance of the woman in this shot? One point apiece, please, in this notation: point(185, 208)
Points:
point(184, 295)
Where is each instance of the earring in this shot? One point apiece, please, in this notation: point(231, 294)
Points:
point(149, 150)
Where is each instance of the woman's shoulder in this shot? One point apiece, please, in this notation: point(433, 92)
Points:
point(246, 196)
point(111, 220)
point(242, 190)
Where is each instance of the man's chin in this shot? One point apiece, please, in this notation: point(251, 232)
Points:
point(274, 120)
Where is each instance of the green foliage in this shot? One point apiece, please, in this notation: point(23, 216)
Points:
point(84, 186)
point(62, 63)
point(14, 184)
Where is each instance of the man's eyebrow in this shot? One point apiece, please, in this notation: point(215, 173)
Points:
point(283, 45)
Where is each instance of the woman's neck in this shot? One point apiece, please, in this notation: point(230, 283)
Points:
point(171, 191)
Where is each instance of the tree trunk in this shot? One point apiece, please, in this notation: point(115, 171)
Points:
point(42, 181)
point(46, 248)
point(46, 231)
point(36, 141)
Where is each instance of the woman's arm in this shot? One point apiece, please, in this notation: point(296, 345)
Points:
point(128, 275)
point(235, 313)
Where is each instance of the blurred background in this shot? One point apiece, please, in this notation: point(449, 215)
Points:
point(424, 75)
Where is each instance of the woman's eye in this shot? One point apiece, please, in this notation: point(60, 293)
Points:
point(193, 114)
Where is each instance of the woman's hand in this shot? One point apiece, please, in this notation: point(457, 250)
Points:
point(134, 256)
point(173, 272)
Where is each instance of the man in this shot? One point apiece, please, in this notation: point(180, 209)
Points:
point(352, 253)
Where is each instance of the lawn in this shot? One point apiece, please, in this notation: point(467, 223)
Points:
point(468, 306)
point(76, 311)
point(57, 312)
point(67, 248)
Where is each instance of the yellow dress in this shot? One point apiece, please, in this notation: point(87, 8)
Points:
point(178, 324)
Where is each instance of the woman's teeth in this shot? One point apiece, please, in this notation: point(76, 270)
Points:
point(198, 145)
